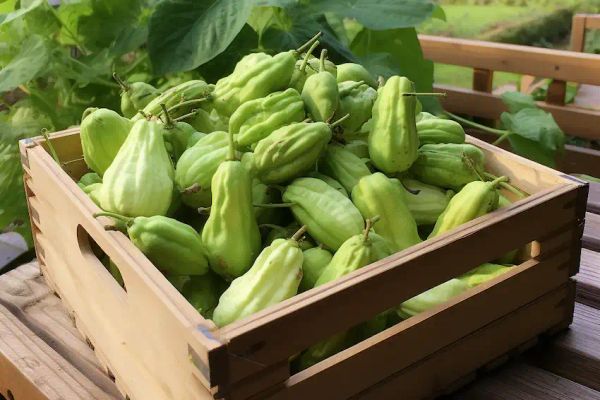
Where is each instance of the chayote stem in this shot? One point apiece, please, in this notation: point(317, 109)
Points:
point(299, 233)
point(496, 182)
point(169, 123)
point(308, 55)
point(53, 152)
point(195, 188)
point(121, 82)
point(143, 114)
point(472, 124)
point(469, 162)
point(116, 216)
point(435, 94)
point(505, 185)
point(273, 226)
point(369, 222)
point(322, 60)
point(276, 205)
point(380, 81)
point(339, 121)
point(189, 102)
point(309, 43)
point(185, 116)
point(203, 210)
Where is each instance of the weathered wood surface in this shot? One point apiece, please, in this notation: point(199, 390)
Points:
point(38, 339)
point(43, 356)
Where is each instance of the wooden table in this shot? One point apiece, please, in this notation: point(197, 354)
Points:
point(43, 356)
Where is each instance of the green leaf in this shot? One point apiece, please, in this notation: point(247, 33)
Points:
point(379, 14)
point(535, 135)
point(106, 22)
point(222, 64)
point(516, 101)
point(186, 33)
point(22, 11)
point(438, 13)
point(397, 52)
point(30, 62)
point(13, 207)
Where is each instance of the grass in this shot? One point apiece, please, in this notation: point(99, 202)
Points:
point(469, 21)
point(455, 75)
point(472, 21)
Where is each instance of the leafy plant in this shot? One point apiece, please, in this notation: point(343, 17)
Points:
point(531, 131)
point(57, 60)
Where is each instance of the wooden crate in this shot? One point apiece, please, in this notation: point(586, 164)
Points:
point(157, 346)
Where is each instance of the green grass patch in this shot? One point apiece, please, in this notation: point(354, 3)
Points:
point(455, 75)
point(469, 21)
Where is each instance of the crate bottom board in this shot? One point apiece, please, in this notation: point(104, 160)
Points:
point(455, 365)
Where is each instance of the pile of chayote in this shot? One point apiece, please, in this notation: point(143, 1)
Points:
point(282, 176)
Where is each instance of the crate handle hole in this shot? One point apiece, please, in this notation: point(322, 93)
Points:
point(91, 250)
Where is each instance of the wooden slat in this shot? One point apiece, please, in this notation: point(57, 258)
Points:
point(25, 293)
point(573, 120)
point(458, 359)
point(548, 63)
point(406, 343)
point(581, 160)
point(31, 370)
point(592, 21)
point(483, 80)
point(591, 234)
point(575, 355)
point(557, 90)
point(578, 32)
point(519, 381)
point(588, 279)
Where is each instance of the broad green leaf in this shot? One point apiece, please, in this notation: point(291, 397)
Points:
point(535, 134)
point(184, 34)
point(224, 63)
point(106, 22)
point(25, 8)
point(13, 207)
point(69, 15)
point(26, 65)
point(379, 14)
point(438, 13)
point(41, 20)
point(516, 101)
point(397, 52)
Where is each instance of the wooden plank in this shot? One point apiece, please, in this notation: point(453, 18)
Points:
point(575, 355)
point(483, 80)
point(432, 375)
point(578, 33)
point(588, 279)
point(581, 160)
point(519, 381)
point(591, 233)
point(25, 293)
point(557, 90)
point(573, 120)
point(592, 21)
point(547, 63)
point(42, 373)
point(409, 341)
